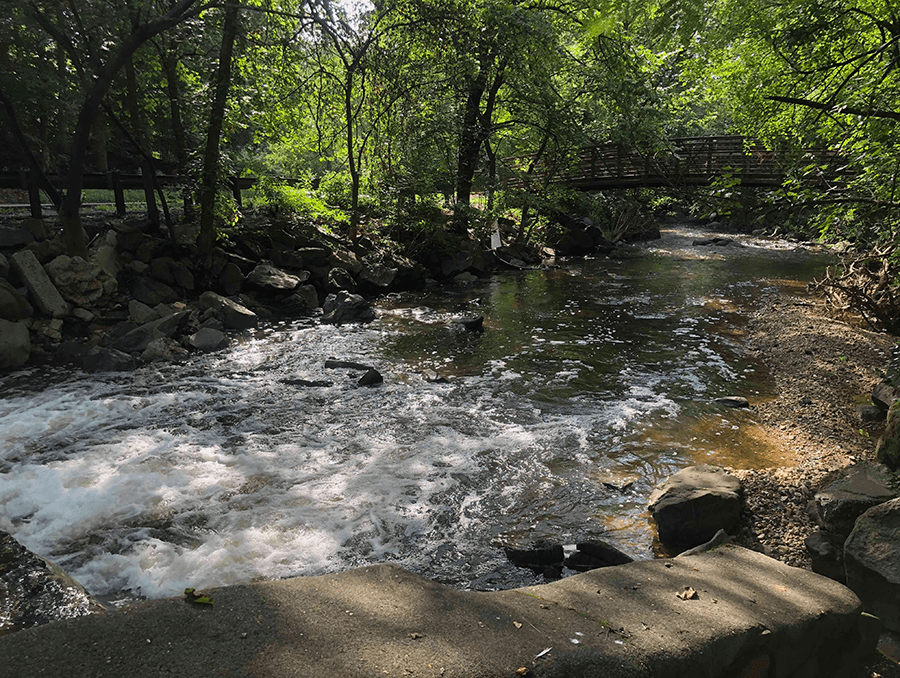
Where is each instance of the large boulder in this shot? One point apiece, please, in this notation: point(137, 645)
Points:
point(171, 272)
point(234, 316)
point(78, 281)
point(304, 301)
point(378, 275)
point(13, 306)
point(872, 562)
point(15, 344)
point(268, 277)
point(344, 307)
point(230, 278)
point(101, 359)
point(695, 503)
point(826, 554)
point(138, 339)
point(42, 290)
point(152, 292)
point(208, 339)
point(4, 266)
point(845, 496)
point(339, 279)
point(888, 449)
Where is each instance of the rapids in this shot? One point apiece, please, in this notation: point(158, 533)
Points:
point(592, 382)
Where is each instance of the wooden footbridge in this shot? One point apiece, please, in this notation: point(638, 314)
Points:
point(687, 161)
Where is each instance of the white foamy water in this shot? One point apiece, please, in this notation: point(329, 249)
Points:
point(216, 472)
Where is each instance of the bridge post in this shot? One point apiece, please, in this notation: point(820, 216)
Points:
point(34, 194)
point(150, 196)
point(620, 151)
point(115, 178)
point(234, 183)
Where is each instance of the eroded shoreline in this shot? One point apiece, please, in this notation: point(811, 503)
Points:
point(823, 368)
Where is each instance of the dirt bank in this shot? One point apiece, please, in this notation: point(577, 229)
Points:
point(823, 369)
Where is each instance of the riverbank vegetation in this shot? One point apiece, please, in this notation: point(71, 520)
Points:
point(411, 119)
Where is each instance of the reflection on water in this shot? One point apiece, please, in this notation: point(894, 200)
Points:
point(592, 382)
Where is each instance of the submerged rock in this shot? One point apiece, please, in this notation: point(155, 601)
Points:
point(371, 378)
point(594, 554)
point(15, 344)
point(733, 401)
point(344, 307)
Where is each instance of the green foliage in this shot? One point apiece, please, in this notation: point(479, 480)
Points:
point(283, 200)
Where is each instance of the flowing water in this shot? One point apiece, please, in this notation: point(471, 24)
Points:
point(591, 383)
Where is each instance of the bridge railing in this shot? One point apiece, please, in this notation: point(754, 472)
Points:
point(686, 160)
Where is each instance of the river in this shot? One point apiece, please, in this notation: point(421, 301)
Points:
point(592, 382)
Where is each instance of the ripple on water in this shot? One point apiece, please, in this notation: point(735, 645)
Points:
point(588, 387)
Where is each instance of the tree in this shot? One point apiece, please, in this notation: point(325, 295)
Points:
point(98, 43)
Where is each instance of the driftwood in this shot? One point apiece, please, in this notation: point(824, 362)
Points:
point(867, 283)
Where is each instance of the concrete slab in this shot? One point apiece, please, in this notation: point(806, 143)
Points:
point(43, 292)
point(750, 613)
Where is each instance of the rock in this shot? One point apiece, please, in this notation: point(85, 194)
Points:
point(732, 401)
point(140, 338)
point(47, 250)
point(72, 353)
point(140, 313)
point(217, 260)
point(83, 315)
point(339, 279)
point(15, 237)
point(246, 265)
point(539, 558)
point(870, 413)
point(332, 364)
point(695, 503)
point(107, 259)
point(346, 260)
point(884, 395)
point(378, 275)
point(302, 302)
point(78, 281)
point(845, 496)
point(593, 554)
point(433, 377)
point(268, 277)
point(872, 562)
point(15, 344)
point(719, 538)
point(320, 383)
point(152, 292)
point(100, 359)
point(234, 315)
point(171, 272)
point(317, 257)
point(465, 278)
point(36, 591)
point(288, 259)
point(40, 287)
point(161, 349)
point(471, 323)
point(371, 378)
point(37, 228)
point(4, 266)
point(888, 449)
point(13, 306)
point(343, 307)
point(208, 339)
point(231, 279)
point(718, 242)
point(129, 240)
point(826, 554)
point(456, 263)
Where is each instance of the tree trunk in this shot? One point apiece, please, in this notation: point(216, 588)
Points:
point(99, 134)
point(470, 142)
point(170, 61)
point(210, 173)
point(352, 165)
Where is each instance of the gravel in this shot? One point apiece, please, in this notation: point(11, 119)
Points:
point(823, 369)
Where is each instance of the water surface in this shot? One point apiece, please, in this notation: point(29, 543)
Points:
point(592, 382)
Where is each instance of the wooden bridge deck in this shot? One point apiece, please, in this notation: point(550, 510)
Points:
point(690, 161)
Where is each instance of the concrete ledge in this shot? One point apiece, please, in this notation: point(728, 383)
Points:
point(753, 616)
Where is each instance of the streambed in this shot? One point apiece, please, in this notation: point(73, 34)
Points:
point(591, 383)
